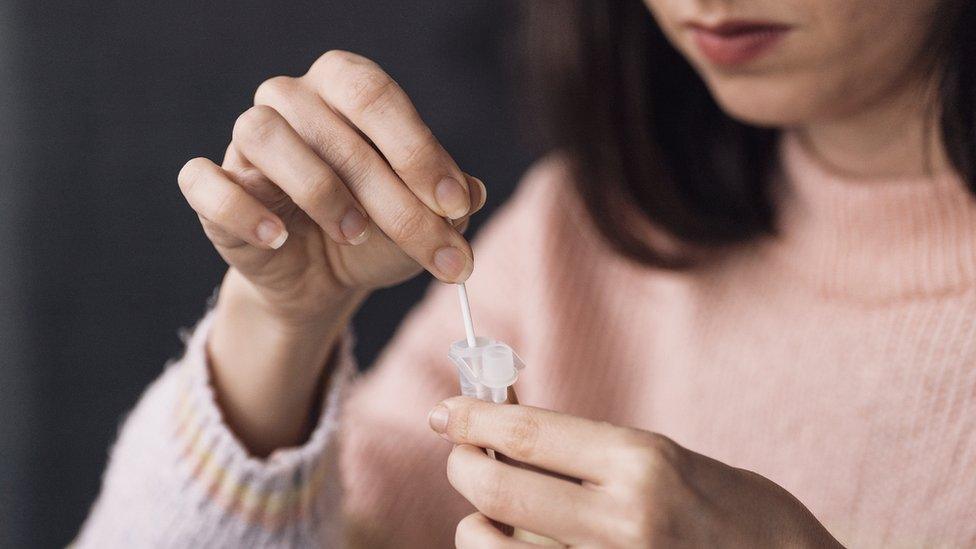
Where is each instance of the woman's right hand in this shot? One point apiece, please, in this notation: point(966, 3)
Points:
point(331, 187)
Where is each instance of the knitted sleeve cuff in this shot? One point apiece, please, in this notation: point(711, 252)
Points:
point(280, 490)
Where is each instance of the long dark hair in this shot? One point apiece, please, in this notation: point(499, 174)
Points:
point(643, 131)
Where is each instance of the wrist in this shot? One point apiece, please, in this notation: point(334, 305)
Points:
point(255, 333)
point(292, 314)
point(269, 369)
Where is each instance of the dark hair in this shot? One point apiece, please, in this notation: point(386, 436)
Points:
point(642, 129)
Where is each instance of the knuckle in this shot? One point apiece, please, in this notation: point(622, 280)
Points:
point(465, 535)
point(471, 534)
point(670, 458)
point(368, 90)
point(415, 153)
point(495, 496)
point(640, 521)
point(191, 173)
point(462, 535)
point(274, 90)
point(460, 422)
point(646, 457)
point(318, 188)
point(332, 145)
point(334, 60)
point(225, 209)
point(454, 466)
point(218, 235)
point(256, 125)
point(362, 85)
point(480, 540)
point(461, 469)
point(334, 66)
point(468, 522)
point(458, 465)
point(348, 159)
point(522, 436)
point(635, 528)
point(410, 225)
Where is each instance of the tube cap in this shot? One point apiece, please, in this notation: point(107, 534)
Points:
point(486, 370)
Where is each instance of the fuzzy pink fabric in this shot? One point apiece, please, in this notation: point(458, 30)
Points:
point(837, 358)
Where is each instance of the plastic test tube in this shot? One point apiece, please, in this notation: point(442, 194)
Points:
point(487, 368)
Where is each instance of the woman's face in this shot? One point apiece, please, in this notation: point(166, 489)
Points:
point(790, 62)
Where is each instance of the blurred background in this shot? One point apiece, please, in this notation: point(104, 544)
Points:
point(101, 261)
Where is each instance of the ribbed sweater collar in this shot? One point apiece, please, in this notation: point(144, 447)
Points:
point(874, 239)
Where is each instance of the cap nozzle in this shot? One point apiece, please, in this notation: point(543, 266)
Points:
point(498, 369)
point(486, 370)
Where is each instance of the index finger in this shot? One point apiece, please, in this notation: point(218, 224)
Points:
point(564, 444)
point(371, 100)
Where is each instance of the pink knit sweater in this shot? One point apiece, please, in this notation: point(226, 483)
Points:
point(837, 358)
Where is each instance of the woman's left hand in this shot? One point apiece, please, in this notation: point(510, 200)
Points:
point(636, 489)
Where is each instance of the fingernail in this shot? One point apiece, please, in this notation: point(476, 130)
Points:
point(271, 233)
point(451, 198)
point(450, 262)
point(437, 418)
point(354, 226)
point(484, 193)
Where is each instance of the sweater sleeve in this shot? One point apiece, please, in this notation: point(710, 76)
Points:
point(178, 477)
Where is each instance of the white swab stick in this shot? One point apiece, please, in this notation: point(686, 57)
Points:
point(466, 315)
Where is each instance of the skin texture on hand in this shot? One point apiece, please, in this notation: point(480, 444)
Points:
point(612, 486)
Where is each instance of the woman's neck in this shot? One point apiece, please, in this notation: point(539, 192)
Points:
point(896, 136)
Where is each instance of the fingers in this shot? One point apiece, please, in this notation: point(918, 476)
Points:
point(478, 193)
point(525, 499)
point(331, 136)
point(476, 531)
point(478, 197)
point(228, 210)
point(256, 183)
point(420, 232)
point(543, 438)
point(273, 146)
point(364, 94)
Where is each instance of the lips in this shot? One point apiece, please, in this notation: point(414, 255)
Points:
point(737, 42)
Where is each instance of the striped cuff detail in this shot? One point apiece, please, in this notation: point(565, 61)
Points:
point(273, 492)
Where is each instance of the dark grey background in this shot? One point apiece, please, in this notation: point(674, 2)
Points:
point(101, 261)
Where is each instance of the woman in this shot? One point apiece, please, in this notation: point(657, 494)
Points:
point(744, 286)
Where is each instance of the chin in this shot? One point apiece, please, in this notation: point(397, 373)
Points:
point(760, 102)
